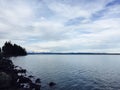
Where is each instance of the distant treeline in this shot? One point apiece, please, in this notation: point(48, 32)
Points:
point(9, 49)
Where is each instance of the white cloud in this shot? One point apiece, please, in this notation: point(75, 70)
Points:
point(15, 13)
point(82, 8)
point(40, 26)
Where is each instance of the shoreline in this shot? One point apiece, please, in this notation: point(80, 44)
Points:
point(15, 78)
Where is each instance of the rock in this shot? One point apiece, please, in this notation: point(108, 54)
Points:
point(12, 77)
point(32, 85)
point(22, 71)
point(37, 84)
point(52, 84)
point(30, 76)
point(23, 79)
point(37, 87)
point(1, 56)
point(5, 80)
point(6, 65)
point(37, 81)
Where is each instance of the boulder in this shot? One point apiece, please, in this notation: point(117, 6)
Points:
point(37, 81)
point(35, 86)
point(5, 80)
point(23, 79)
point(52, 84)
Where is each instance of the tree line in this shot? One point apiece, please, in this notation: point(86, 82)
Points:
point(10, 49)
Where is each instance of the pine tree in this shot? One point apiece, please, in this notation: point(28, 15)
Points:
point(13, 50)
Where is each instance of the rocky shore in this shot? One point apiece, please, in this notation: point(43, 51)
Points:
point(14, 78)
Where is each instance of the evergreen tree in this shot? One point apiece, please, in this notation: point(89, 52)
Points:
point(0, 54)
point(13, 50)
point(0, 49)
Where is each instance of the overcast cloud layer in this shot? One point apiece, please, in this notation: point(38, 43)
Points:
point(61, 25)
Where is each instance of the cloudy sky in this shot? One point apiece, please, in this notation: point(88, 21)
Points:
point(61, 25)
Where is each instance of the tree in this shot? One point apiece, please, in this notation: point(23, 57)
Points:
point(13, 50)
point(0, 49)
point(0, 54)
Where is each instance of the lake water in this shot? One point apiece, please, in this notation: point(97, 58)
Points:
point(74, 72)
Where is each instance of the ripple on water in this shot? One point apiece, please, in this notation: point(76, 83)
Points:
point(74, 72)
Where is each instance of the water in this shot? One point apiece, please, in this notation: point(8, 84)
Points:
point(74, 72)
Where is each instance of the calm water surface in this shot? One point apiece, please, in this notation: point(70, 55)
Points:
point(74, 72)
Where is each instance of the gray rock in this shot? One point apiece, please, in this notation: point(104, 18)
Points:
point(52, 84)
point(5, 80)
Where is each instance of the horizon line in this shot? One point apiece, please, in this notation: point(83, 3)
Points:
point(92, 53)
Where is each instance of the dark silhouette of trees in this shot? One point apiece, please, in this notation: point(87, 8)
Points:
point(0, 50)
point(13, 50)
point(0, 54)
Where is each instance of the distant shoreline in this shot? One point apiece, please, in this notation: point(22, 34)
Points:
point(45, 53)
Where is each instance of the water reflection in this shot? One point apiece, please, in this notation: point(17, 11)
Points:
point(74, 72)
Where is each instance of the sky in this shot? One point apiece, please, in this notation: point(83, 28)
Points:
point(61, 25)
